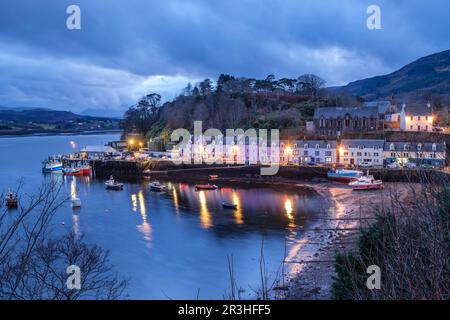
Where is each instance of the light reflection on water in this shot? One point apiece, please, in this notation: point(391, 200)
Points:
point(169, 244)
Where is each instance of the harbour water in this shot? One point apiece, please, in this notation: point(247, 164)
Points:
point(173, 244)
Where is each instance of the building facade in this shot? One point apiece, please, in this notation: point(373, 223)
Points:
point(429, 153)
point(361, 152)
point(334, 121)
point(416, 118)
point(315, 152)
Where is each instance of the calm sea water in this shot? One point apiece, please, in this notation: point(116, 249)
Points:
point(173, 244)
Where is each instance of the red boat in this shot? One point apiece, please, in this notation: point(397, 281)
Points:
point(86, 170)
point(72, 172)
point(205, 187)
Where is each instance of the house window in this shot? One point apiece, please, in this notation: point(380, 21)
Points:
point(317, 153)
point(433, 147)
point(328, 159)
point(305, 146)
point(328, 146)
point(419, 146)
point(317, 146)
point(426, 118)
point(412, 118)
point(375, 154)
point(411, 127)
point(418, 118)
point(391, 147)
point(328, 153)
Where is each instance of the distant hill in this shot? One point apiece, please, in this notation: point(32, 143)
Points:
point(39, 115)
point(18, 121)
point(430, 74)
point(93, 112)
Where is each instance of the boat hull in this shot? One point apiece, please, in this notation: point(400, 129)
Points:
point(342, 178)
point(376, 186)
point(52, 168)
point(73, 173)
point(205, 187)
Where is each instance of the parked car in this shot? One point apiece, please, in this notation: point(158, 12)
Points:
point(411, 165)
point(365, 164)
point(426, 166)
point(393, 165)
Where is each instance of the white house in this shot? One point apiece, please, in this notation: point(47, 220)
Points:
point(432, 153)
point(416, 118)
point(315, 151)
point(357, 152)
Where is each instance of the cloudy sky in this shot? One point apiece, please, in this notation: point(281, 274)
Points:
point(127, 48)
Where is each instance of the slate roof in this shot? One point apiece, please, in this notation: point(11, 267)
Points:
point(341, 112)
point(366, 143)
point(413, 146)
point(418, 110)
point(99, 149)
point(383, 106)
point(312, 143)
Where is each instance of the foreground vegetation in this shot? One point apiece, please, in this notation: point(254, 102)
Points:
point(410, 242)
point(34, 257)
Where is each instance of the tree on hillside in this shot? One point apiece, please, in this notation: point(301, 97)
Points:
point(205, 87)
point(141, 116)
point(310, 84)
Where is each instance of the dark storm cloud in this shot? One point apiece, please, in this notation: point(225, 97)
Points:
point(127, 48)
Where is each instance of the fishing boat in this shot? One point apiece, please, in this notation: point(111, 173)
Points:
point(86, 169)
point(205, 187)
point(76, 203)
point(52, 166)
point(366, 182)
point(72, 171)
point(11, 200)
point(213, 177)
point(156, 186)
point(111, 184)
point(227, 205)
point(344, 175)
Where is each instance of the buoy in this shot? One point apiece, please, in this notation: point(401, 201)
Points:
point(63, 223)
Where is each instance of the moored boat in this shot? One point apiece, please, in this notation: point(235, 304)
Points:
point(52, 166)
point(86, 170)
point(205, 187)
point(72, 171)
point(366, 182)
point(76, 203)
point(156, 186)
point(111, 184)
point(227, 205)
point(344, 175)
point(11, 200)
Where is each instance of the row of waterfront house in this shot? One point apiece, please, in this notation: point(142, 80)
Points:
point(357, 152)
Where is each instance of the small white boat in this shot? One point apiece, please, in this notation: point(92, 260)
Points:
point(76, 203)
point(366, 182)
point(111, 184)
point(156, 186)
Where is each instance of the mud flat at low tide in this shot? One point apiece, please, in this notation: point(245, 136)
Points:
point(312, 264)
